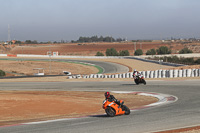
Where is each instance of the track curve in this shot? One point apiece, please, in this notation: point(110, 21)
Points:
point(184, 112)
point(108, 67)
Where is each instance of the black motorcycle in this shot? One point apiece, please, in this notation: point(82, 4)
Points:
point(139, 80)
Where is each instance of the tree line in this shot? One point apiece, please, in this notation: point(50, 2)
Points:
point(98, 39)
point(179, 60)
point(160, 51)
point(113, 52)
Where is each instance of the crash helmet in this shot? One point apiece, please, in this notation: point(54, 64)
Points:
point(107, 94)
point(134, 71)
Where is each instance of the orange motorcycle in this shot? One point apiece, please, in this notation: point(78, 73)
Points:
point(112, 109)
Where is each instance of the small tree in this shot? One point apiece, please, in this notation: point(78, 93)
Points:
point(138, 52)
point(188, 61)
point(2, 73)
point(185, 51)
point(111, 52)
point(18, 42)
point(99, 54)
point(163, 50)
point(124, 53)
point(151, 52)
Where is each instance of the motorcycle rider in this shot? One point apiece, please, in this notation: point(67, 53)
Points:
point(111, 98)
point(136, 73)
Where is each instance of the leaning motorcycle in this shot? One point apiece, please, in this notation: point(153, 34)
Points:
point(112, 109)
point(139, 79)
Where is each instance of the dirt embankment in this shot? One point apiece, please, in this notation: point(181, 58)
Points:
point(25, 106)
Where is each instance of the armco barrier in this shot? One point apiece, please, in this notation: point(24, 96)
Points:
point(149, 74)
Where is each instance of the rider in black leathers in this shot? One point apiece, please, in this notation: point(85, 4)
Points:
point(111, 98)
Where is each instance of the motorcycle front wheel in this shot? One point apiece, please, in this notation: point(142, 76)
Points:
point(144, 82)
point(110, 112)
point(127, 110)
point(136, 81)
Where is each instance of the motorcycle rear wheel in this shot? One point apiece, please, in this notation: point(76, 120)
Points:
point(110, 112)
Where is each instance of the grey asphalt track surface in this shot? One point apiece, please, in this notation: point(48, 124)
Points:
point(182, 113)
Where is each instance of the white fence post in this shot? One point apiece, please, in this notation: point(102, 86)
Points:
point(127, 75)
point(171, 73)
point(193, 73)
point(184, 72)
point(151, 74)
point(164, 74)
point(175, 73)
point(148, 74)
point(156, 74)
point(180, 73)
point(69, 77)
point(196, 72)
point(95, 76)
point(160, 74)
point(189, 72)
point(91, 75)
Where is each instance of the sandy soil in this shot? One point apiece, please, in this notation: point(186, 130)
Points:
point(83, 49)
point(53, 68)
point(93, 48)
point(25, 106)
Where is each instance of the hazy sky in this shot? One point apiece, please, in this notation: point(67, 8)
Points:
point(53, 20)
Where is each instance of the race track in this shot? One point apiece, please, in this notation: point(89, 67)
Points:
point(108, 67)
point(182, 113)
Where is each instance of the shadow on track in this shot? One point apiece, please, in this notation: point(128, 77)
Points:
point(99, 116)
point(128, 84)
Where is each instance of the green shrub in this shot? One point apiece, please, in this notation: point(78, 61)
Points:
point(151, 52)
point(138, 52)
point(99, 54)
point(185, 51)
point(111, 52)
point(2, 73)
point(124, 53)
point(163, 50)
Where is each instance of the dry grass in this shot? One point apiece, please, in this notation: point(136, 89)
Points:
point(53, 68)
